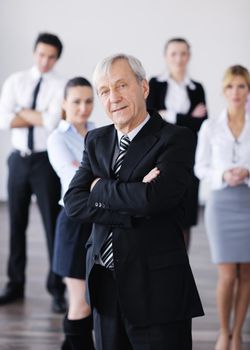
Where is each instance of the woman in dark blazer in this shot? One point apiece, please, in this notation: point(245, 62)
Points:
point(180, 101)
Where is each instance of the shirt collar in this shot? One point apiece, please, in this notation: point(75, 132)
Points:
point(134, 132)
point(36, 74)
point(64, 126)
point(223, 116)
point(165, 78)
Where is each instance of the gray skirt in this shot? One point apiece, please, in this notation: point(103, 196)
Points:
point(227, 221)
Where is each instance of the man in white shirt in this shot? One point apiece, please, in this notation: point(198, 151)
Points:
point(30, 106)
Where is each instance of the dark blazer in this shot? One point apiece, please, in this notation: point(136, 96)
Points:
point(154, 280)
point(156, 100)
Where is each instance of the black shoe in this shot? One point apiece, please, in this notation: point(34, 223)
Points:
point(59, 304)
point(11, 294)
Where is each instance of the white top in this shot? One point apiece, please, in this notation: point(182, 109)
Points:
point(133, 132)
point(65, 150)
point(17, 93)
point(177, 99)
point(218, 150)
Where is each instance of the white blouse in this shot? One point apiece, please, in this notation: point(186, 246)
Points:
point(65, 147)
point(218, 150)
point(176, 99)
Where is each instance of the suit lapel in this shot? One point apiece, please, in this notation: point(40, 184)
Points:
point(140, 146)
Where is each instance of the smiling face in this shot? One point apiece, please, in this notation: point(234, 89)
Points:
point(236, 92)
point(45, 57)
point(78, 104)
point(177, 57)
point(123, 96)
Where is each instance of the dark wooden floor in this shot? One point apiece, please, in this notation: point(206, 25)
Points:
point(30, 325)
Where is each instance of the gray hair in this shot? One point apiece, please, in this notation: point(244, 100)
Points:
point(104, 66)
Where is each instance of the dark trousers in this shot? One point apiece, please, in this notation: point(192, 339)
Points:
point(29, 175)
point(113, 331)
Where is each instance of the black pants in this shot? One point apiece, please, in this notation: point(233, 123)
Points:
point(113, 331)
point(29, 175)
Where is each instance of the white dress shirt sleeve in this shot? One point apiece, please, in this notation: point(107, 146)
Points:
point(61, 159)
point(52, 115)
point(203, 159)
point(8, 106)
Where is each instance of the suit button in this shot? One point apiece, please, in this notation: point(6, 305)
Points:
point(100, 205)
point(96, 204)
point(103, 205)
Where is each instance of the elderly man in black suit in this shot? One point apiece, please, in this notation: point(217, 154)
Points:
point(131, 184)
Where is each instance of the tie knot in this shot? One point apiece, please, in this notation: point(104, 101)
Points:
point(124, 142)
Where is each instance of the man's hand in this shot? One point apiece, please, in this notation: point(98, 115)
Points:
point(19, 122)
point(151, 175)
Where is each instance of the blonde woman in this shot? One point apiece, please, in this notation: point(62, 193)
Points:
point(223, 157)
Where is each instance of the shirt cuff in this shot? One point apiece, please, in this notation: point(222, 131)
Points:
point(218, 182)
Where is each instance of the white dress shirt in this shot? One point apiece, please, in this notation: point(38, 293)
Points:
point(130, 135)
point(218, 150)
point(65, 148)
point(177, 99)
point(134, 132)
point(17, 93)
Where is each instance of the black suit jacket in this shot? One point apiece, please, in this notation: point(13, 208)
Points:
point(154, 280)
point(156, 100)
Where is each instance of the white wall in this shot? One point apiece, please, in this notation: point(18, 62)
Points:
point(217, 30)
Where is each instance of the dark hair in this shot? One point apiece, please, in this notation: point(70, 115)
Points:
point(50, 39)
point(77, 81)
point(176, 40)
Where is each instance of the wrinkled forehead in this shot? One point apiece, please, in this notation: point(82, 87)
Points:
point(113, 73)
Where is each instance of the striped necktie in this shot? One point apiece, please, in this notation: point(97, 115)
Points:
point(106, 253)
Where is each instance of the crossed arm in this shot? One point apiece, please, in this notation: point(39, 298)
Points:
point(26, 118)
point(113, 202)
point(147, 178)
